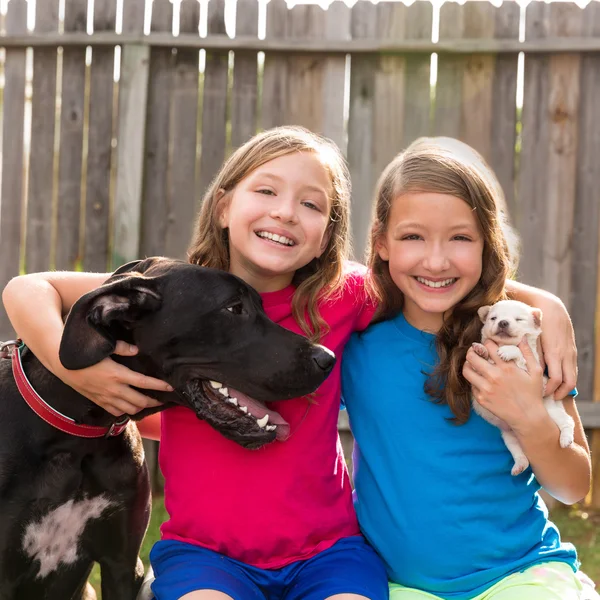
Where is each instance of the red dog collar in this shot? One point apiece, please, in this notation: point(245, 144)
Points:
point(49, 414)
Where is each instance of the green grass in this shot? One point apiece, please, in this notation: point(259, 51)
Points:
point(581, 527)
point(577, 525)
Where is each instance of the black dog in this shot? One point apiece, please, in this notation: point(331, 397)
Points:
point(68, 501)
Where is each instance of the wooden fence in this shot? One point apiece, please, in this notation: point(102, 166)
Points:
point(97, 170)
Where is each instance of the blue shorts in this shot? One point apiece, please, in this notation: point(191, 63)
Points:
point(350, 566)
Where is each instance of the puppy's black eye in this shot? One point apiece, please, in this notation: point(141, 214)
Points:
point(237, 308)
point(493, 318)
point(518, 320)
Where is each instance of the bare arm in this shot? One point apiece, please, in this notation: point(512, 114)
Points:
point(557, 340)
point(564, 472)
point(515, 396)
point(35, 304)
point(149, 427)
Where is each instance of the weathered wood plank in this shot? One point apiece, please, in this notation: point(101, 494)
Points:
point(450, 73)
point(133, 90)
point(478, 80)
point(245, 77)
point(99, 146)
point(389, 93)
point(184, 106)
point(401, 98)
point(549, 152)
point(12, 154)
point(306, 90)
point(360, 126)
point(305, 73)
point(586, 232)
point(337, 27)
point(274, 85)
point(504, 109)
point(160, 80)
point(315, 83)
point(417, 97)
point(476, 94)
point(214, 101)
point(530, 218)
point(71, 142)
point(38, 248)
point(565, 20)
point(389, 100)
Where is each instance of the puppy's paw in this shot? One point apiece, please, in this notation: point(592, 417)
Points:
point(508, 353)
point(567, 437)
point(520, 465)
point(480, 350)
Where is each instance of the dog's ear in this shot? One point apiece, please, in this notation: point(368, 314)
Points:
point(537, 317)
point(483, 313)
point(93, 325)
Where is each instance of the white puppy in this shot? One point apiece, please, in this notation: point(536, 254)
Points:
point(507, 323)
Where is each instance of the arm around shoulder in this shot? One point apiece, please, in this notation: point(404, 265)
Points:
point(35, 305)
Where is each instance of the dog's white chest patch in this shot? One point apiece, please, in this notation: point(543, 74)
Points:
point(54, 538)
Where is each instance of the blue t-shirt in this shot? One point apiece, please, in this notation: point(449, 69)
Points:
point(436, 500)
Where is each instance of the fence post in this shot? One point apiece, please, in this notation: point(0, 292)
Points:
point(13, 120)
point(184, 125)
point(133, 91)
point(99, 143)
point(71, 141)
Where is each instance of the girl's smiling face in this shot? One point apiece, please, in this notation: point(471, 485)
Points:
point(434, 248)
point(277, 218)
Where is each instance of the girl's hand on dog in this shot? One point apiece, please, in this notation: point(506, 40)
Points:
point(110, 385)
point(558, 347)
point(510, 393)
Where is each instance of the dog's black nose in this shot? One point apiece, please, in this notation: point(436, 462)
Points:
point(324, 358)
point(503, 324)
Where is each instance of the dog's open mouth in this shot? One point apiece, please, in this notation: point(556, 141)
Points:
point(266, 419)
point(235, 415)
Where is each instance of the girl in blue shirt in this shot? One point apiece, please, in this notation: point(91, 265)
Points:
point(433, 485)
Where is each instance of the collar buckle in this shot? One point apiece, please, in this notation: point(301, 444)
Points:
point(118, 427)
point(7, 348)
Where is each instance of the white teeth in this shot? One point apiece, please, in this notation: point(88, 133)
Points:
point(436, 284)
point(215, 384)
point(276, 238)
point(270, 428)
point(224, 391)
point(263, 422)
point(244, 409)
point(232, 401)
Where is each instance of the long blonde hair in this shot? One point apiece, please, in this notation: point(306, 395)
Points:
point(447, 166)
point(322, 276)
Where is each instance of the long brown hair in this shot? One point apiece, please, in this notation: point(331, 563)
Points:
point(447, 166)
point(322, 276)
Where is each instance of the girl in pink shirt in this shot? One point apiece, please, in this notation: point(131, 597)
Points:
point(277, 522)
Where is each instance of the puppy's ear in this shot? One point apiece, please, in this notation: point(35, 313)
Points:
point(483, 313)
point(96, 321)
point(537, 317)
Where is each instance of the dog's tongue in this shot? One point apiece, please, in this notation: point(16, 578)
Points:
point(258, 410)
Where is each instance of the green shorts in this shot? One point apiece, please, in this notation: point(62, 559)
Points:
point(544, 581)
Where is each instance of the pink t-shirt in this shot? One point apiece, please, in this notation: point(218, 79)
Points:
point(288, 500)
